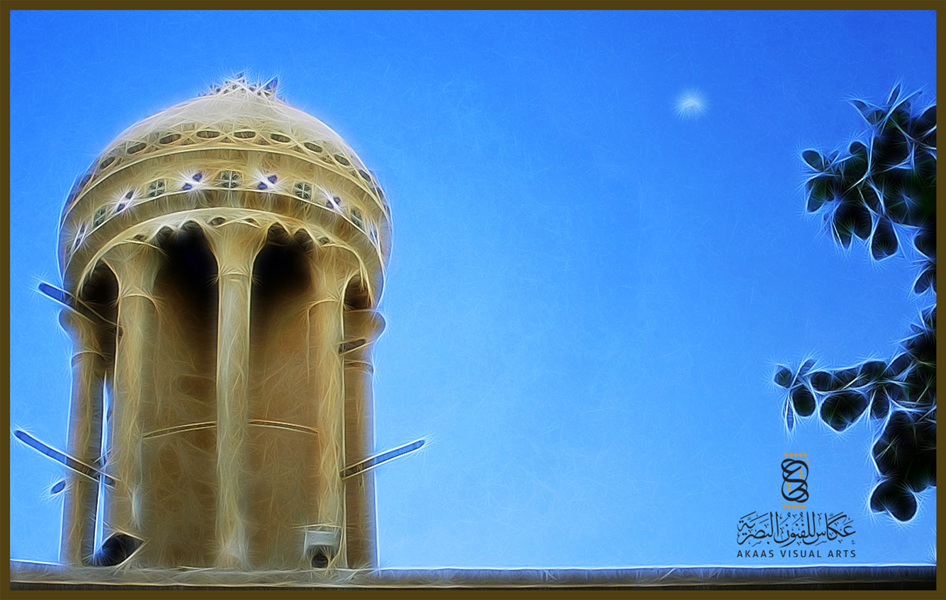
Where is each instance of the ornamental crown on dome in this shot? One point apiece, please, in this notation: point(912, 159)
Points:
point(239, 84)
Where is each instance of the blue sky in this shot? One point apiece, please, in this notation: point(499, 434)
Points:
point(588, 293)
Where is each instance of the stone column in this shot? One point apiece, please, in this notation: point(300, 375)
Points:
point(362, 327)
point(135, 265)
point(235, 244)
point(85, 437)
point(326, 383)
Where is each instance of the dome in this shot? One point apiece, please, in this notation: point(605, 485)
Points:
point(233, 112)
point(240, 108)
point(237, 147)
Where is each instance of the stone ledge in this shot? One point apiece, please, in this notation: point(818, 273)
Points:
point(27, 575)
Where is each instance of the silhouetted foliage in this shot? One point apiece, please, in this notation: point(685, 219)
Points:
point(882, 191)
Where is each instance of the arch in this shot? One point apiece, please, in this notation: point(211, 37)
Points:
point(357, 295)
point(281, 459)
point(100, 292)
point(179, 481)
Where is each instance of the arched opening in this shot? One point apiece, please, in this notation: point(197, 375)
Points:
point(178, 426)
point(94, 375)
point(282, 440)
point(356, 295)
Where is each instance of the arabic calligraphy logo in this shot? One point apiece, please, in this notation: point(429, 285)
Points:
point(758, 532)
point(808, 529)
point(795, 480)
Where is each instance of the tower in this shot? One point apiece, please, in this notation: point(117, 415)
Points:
point(226, 257)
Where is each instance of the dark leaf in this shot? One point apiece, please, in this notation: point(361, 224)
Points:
point(855, 166)
point(840, 409)
point(893, 392)
point(897, 366)
point(872, 370)
point(879, 405)
point(846, 377)
point(921, 473)
point(884, 241)
point(924, 165)
point(889, 496)
point(872, 197)
point(803, 400)
point(894, 95)
point(865, 109)
point(900, 116)
point(805, 367)
point(897, 444)
point(926, 280)
point(925, 121)
point(922, 347)
point(818, 191)
point(920, 386)
point(890, 149)
point(823, 381)
point(926, 434)
point(925, 241)
point(789, 416)
point(842, 225)
point(920, 126)
point(862, 223)
point(898, 204)
point(860, 105)
point(783, 377)
point(814, 160)
point(841, 235)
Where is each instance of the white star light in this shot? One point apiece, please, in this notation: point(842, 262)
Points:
point(691, 104)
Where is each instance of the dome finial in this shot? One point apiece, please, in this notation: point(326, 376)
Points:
point(239, 84)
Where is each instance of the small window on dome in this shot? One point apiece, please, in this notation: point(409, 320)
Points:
point(99, 217)
point(136, 148)
point(313, 147)
point(80, 237)
point(342, 160)
point(245, 134)
point(82, 181)
point(278, 137)
point(364, 175)
point(107, 162)
point(356, 218)
point(170, 138)
point(302, 190)
point(208, 134)
point(156, 188)
point(229, 179)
